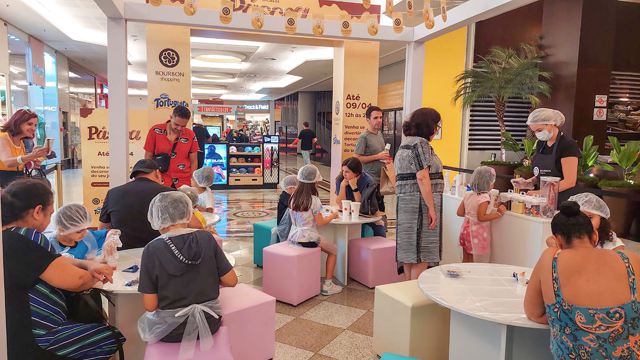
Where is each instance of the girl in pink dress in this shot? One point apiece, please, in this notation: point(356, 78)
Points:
point(475, 235)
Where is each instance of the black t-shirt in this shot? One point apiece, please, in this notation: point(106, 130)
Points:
point(567, 147)
point(24, 262)
point(306, 137)
point(283, 204)
point(202, 135)
point(126, 207)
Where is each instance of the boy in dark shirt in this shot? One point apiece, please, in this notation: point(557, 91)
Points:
point(288, 186)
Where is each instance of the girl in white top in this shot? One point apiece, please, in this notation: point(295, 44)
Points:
point(201, 180)
point(598, 211)
point(305, 210)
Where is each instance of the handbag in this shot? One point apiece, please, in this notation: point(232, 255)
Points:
point(388, 180)
point(164, 159)
point(36, 173)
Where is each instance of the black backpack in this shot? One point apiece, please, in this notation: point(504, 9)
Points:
point(369, 201)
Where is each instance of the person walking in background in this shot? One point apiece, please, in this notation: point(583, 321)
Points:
point(203, 137)
point(419, 187)
point(307, 139)
point(370, 149)
point(174, 147)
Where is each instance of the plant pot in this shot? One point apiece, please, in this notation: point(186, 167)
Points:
point(622, 209)
point(502, 168)
point(602, 174)
point(524, 172)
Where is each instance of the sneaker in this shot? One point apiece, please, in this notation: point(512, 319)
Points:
point(329, 288)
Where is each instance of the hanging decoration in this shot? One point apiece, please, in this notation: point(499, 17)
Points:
point(388, 10)
point(443, 10)
point(291, 21)
point(226, 11)
point(190, 7)
point(398, 23)
point(410, 6)
point(372, 23)
point(318, 25)
point(257, 17)
point(427, 14)
point(155, 2)
point(345, 25)
point(366, 4)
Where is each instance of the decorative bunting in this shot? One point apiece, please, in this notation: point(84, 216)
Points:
point(410, 6)
point(443, 10)
point(190, 7)
point(366, 4)
point(257, 17)
point(155, 2)
point(345, 25)
point(388, 10)
point(398, 23)
point(291, 21)
point(372, 24)
point(318, 25)
point(427, 14)
point(226, 11)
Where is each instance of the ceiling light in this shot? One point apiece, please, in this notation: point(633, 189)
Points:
point(20, 83)
point(74, 75)
point(82, 90)
point(297, 58)
point(217, 56)
point(209, 91)
point(209, 65)
point(15, 69)
point(139, 92)
point(136, 76)
point(54, 12)
point(245, 97)
point(282, 83)
point(204, 40)
point(197, 79)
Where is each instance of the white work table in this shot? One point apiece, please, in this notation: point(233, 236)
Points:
point(516, 239)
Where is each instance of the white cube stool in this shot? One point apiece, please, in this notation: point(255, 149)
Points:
point(406, 322)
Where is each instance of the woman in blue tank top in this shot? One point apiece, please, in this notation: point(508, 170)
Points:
point(588, 296)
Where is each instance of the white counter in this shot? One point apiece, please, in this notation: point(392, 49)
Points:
point(516, 239)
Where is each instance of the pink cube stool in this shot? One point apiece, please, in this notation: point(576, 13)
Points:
point(291, 273)
point(372, 261)
point(250, 316)
point(221, 349)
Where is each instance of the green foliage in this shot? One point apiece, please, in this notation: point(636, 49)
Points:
point(624, 184)
point(590, 181)
point(626, 157)
point(529, 148)
point(589, 157)
point(509, 143)
point(500, 163)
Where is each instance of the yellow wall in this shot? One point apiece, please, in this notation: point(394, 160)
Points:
point(445, 58)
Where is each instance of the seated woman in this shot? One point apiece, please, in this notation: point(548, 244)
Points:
point(72, 237)
point(352, 184)
point(592, 312)
point(180, 256)
point(37, 319)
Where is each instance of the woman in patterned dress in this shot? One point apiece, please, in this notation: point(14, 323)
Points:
point(419, 195)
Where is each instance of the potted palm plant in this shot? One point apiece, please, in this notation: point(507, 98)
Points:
point(622, 207)
point(503, 74)
point(589, 165)
point(528, 147)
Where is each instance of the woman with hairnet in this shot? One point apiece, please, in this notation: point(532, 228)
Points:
point(598, 212)
point(201, 180)
point(556, 153)
point(72, 237)
point(177, 257)
point(475, 235)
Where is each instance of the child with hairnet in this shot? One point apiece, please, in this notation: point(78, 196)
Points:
point(598, 212)
point(201, 180)
point(288, 186)
point(475, 235)
point(72, 236)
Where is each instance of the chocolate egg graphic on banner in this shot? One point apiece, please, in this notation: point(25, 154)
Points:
point(257, 17)
point(155, 2)
point(410, 5)
point(226, 11)
point(345, 25)
point(366, 4)
point(398, 25)
point(388, 10)
point(428, 17)
point(190, 7)
point(318, 25)
point(291, 22)
point(443, 10)
point(372, 24)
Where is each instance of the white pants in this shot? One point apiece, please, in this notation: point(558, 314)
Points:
point(306, 156)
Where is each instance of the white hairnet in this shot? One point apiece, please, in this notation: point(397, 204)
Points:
point(309, 174)
point(190, 192)
point(204, 176)
point(592, 203)
point(71, 218)
point(482, 179)
point(545, 116)
point(289, 181)
point(169, 208)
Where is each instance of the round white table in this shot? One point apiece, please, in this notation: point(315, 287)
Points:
point(127, 301)
point(340, 231)
point(210, 218)
point(487, 312)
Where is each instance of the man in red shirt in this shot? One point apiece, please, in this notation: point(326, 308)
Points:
point(184, 157)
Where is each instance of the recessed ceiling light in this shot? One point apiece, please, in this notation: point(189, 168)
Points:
point(73, 75)
point(218, 65)
point(209, 91)
point(204, 40)
point(220, 57)
point(246, 97)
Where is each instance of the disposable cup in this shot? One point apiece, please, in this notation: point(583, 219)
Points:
point(346, 209)
point(355, 210)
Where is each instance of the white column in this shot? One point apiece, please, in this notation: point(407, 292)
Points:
point(118, 95)
point(413, 77)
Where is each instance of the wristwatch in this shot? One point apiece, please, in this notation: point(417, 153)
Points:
point(355, 190)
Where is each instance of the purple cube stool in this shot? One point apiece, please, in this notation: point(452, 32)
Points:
point(372, 261)
point(221, 349)
point(250, 316)
point(291, 273)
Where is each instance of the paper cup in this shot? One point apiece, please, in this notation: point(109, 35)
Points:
point(355, 210)
point(346, 209)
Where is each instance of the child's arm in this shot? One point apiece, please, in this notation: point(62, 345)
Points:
point(482, 212)
point(461, 211)
point(321, 220)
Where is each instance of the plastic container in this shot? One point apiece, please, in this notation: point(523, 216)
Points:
point(533, 205)
point(517, 203)
point(506, 197)
point(549, 189)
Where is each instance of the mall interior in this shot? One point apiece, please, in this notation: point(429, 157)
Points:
point(383, 179)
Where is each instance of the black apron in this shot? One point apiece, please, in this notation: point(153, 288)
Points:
point(545, 165)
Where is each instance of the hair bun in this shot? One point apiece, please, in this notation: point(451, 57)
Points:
point(570, 208)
